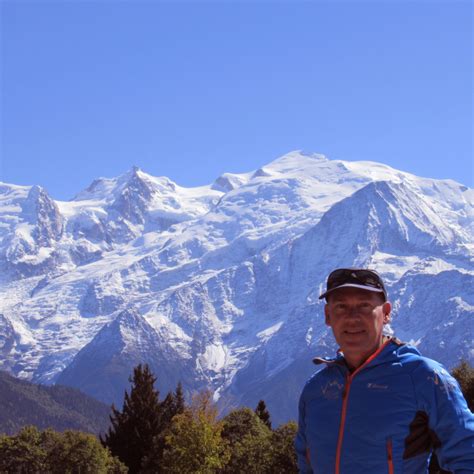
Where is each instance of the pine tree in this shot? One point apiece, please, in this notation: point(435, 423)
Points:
point(130, 437)
point(179, 404)
point(172, 405)
point(262, 412)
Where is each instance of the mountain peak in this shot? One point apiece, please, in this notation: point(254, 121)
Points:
point(228, 182)
point(296, 159)
point(134, 173)
point(392, 217)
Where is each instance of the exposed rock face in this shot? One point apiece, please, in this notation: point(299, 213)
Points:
point(29, 244)
point(40, 210)
point(7, 336)
point(133, 200)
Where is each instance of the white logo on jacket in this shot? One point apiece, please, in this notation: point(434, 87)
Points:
point(376, 386)
point(332, 390)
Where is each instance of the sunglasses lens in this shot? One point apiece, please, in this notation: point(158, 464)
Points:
point(344, 275)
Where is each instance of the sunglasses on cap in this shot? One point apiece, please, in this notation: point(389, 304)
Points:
point(362, 278)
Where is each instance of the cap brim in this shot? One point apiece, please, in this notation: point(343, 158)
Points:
point(352, 285)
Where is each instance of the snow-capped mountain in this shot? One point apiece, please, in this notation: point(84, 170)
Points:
point(218, 286)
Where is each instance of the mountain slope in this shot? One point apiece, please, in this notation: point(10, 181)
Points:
point(58, 407)
point(221, 293)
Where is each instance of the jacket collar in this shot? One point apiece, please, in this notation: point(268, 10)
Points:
point(392, 344)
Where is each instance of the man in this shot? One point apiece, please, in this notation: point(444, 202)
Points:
point(379, 406)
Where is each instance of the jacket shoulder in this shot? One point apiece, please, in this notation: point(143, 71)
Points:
point(413, 362)
point(419, 365)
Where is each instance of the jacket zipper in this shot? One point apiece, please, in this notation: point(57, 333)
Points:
point(389, 456)
point(345, 399)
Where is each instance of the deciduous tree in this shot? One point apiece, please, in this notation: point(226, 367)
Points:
point(32, 451)
point(283, 451)
point(194, 443)
point(464, 374)
point(23, 452)
point(249, 441)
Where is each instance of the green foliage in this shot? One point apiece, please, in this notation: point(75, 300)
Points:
point(283, 451)
point(249, 440)
point(172, 405)
point(262, 412)
point(149, 436)
point(32, 451)
point(23, 403)
point(78, 452)
point(194, 443)
point(23, 453)
point(131, 435)
point(464, 374)
point(154, 437)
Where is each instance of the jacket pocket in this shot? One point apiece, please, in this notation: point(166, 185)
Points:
point(390, 456)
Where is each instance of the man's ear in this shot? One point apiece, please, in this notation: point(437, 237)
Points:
point(386, 308)
point(326, 315)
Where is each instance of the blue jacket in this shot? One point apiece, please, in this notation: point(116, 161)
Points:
point(385, 417)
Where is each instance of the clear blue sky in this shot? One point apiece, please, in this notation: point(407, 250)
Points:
point(190, 90)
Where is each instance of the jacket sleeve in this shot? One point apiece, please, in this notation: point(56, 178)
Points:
point(301, 447)
point(439, 395)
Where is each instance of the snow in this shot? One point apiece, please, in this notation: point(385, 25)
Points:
point(266, 334)
point(213, 358)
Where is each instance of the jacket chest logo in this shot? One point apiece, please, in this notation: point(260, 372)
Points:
point(332, 390)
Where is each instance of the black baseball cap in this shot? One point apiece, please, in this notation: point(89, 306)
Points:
point(362, 278)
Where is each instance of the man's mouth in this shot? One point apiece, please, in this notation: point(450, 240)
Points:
point(353, 331)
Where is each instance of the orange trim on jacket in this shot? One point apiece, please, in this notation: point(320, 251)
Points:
point(345, 399)
point(389, 456)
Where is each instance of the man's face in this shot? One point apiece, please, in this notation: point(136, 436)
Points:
point(357, 318)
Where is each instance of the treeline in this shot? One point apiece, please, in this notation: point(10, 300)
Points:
point(150, 436)
point(24, 403)
point(33, 451)
point(169, 436)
